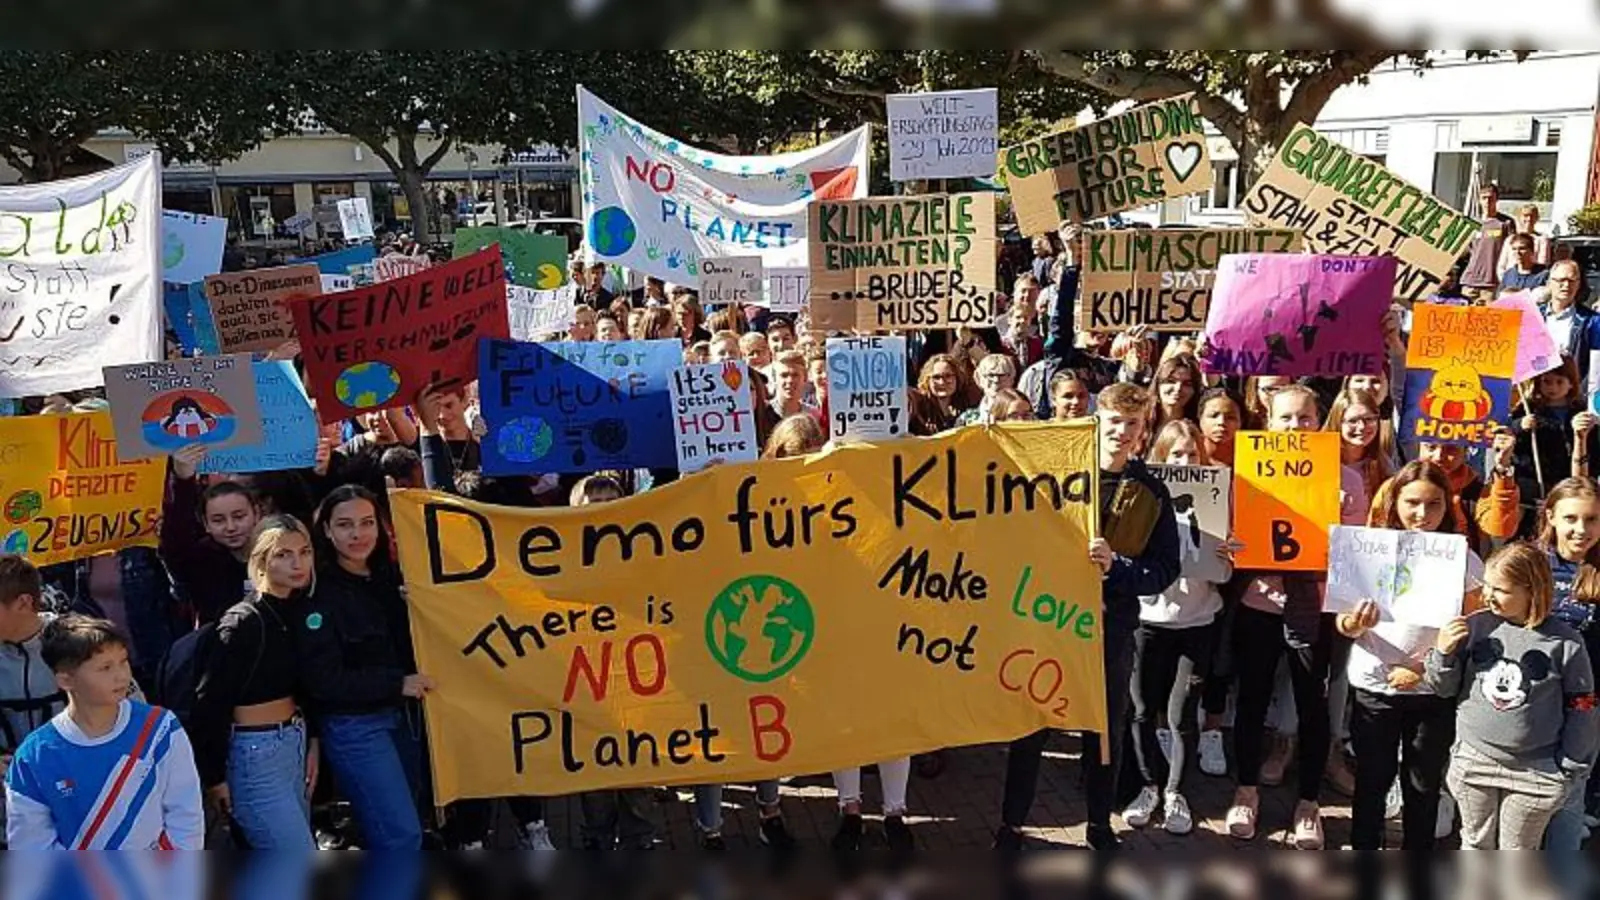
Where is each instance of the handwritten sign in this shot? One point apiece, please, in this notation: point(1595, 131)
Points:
point(1145, 155)
point(353, 262)
point(712, 415)
point(867, 388)
point(708, 632)
point(160, 408)
point(1202, 504)
point(82, 285)
point(398, 265)
point(536, 314)
point(1162, 277)
point(943, 134)
point(786, 290)
point(1281, 314)
point(903, 262)
point(375, 347)
point(1349, 205)
point(1415, 577)
point(288, 426)
point(250, 309)
point(577, 406)
point(68, 495)
point(1537, 351)
point(726, 280)
point(532, 260)
point(355, 219)
point(1286, 496)
point(191, 246)
point(1459, 365)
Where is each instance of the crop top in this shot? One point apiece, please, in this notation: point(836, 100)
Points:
point(250, 660)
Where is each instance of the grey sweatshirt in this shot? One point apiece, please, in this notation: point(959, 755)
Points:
point(1526, 694)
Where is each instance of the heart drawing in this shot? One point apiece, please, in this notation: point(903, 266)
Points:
point(1182, 159)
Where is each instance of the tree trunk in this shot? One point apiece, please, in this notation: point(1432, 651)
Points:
point(412, 185)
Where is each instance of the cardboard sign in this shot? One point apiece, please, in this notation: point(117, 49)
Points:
point(1286, 496)
point(658, 205)
point(397, 265)
point(1536, 346)
point(1415, 577)
point(1146, 155)
point(288, 426)
point(82, 286)
point(726, 280)
point(889, 263)
point(577, 406)
point(355, 219)
point(191, 246)
point(1162, 277)
point(375, 347)
point(713, 419)
point(1202, 504)
point(67, 493)
point(867, 388)
point(355, 262)
point(786, 290)
point(535, 314)
point(1349, 205)
point(250, 309)
point(943, 134)
point(1278, 314)
point(532, 260)
point(688, 635)
point(1459, 365)
point(160, 408)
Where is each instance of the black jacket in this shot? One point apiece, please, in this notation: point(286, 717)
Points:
point(354, 643)
point(1151, 571)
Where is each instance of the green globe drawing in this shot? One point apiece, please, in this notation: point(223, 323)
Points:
point(759, 628)
point(366, 385)
point(172, 250)
point(524, 439)
point(612, 232)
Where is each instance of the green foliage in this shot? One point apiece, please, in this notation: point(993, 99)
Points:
point(1586, 221)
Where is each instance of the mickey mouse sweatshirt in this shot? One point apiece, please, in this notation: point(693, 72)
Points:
point(1527, 695)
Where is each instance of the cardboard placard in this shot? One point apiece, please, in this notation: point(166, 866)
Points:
point(888, 263)
point(1459, 364)
point(288, 426)
point(250, 309)
point(537, 314)
point(1162, 277)
point(1349, 205)
point(943, 134)
point(1202, 503)
point(726, 280)
point(159, 408)
point(1285, 498)
point(713, 420)
point(1415, 577)
point(532, 260)
point(867, 388)
point(1146, 155)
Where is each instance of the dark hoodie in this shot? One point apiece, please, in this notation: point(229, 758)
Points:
point(208, 575)
point(354, 641)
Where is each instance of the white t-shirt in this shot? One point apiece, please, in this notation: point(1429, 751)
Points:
point(1391, 644)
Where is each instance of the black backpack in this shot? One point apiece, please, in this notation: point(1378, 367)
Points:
point(178, 675)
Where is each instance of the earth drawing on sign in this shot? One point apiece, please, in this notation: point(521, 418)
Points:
point(759, 628)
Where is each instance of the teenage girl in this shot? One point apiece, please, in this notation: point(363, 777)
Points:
point(1543, 421)
point(1177, 390)
point(1258, 391)
point(1069, 396)
point(1366, 437)
point(1220, 416)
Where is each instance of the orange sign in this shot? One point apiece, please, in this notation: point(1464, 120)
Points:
point(1285, 498)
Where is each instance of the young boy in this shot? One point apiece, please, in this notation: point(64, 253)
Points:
point(108, 773)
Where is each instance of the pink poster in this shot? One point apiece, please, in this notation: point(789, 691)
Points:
point(1298, 314)
point(1536, 347)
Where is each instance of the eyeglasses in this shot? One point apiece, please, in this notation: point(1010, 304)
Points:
point(1566, 280)
point(942, 376)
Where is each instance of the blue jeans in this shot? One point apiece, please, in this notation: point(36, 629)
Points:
point(267, 780)
point(374, 764)
point(708, 803)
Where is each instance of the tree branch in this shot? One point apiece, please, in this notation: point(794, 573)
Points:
point(1312, 94)
point(1145, 85)
point(15, 160)
point(445, 143)
point(378, 148)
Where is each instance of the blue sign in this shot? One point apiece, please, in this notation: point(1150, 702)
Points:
point(288, 426)
point(577, 406)
point(191, 246)
point(353, 261)
point(188, 313)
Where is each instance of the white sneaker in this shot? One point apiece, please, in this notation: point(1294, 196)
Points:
point(1138, 813)
point(536, 837)
point(1164, 738)
point(1176, 814)
point(1213, 761)
point(1394, 801)
point(1447, 816)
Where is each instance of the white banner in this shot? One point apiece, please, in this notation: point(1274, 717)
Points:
point(80, 278)
point(943, 134)
point(658, 205)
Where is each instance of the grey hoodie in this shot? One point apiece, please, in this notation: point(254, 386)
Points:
point(29, 696)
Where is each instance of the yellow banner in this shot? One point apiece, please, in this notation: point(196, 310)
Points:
point(762, 619)
point(67, 495)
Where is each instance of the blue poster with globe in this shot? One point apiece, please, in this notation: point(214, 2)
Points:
point(191, 245)
point(577, 406)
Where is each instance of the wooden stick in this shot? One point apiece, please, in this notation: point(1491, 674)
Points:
point(1533, 439)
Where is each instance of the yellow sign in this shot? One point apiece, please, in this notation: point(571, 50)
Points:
point(761, 619)
point(67, 495)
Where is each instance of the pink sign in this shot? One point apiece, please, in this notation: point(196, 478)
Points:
point(1298, 314)
point(1536, 346)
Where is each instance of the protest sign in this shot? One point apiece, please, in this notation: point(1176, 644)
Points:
point(333, 284)
point(943, 134)
point(903, 262)
point(251, 309)
point(191, 246)
point(532, 260)
point(375, 347)
point(83, 278)
point(1145, 155)
point(1349, 205)
point(159, 408)
point(867, 388)
point(794, 616)
point(68, 494)
point(712, 415)
point(577, 406)
point(1536, 346)
point(1202, 503)
point(1594, 381)
point(1162, 277)
point(299, 223)
point(1415, 577)
point(535, 314)
point(398, 265)
point(657, 205)
point(1459, 365)
point(786, 290)
point(355, 262)
point(355, 219)
point(189, 316)
point(1285, 314)
point(726, 280)
point(1285, 497)
point(288, 426)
